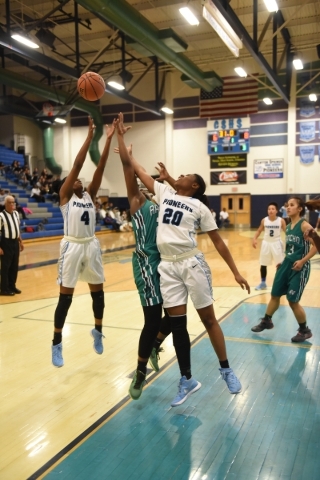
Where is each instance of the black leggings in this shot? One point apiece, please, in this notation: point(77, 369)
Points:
point(152, 321)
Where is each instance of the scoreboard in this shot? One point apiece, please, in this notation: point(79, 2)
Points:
point(229, 141)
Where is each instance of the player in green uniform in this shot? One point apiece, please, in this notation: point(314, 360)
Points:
point(293, 273)
point(145, 261)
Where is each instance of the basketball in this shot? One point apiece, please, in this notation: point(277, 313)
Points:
point(91, 86)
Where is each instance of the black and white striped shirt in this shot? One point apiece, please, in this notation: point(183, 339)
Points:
point(9, 225)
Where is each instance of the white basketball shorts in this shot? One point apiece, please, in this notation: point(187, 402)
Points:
point(271, 251)
point(80, 261)
point(191, 276)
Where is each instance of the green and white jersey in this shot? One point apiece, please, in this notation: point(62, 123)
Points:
point(146, 258)
point(296, 246)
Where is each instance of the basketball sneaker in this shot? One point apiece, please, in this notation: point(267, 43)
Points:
point(57, 358)
point(154, 358)
point(137, 384)
point(185, 389)
point(263, 325)
point(261, 286)
point(231, 380)
point(97, 341)
point(302, 335)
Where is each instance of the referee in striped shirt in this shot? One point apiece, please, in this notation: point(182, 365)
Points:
point(10, 247)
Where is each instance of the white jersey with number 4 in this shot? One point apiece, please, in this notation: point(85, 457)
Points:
point(272, 229)
point(79, 216)
point(179, 218)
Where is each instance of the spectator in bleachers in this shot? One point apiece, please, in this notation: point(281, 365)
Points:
point(25, 177)
point(35, 176)
point(19, 208)
point(2, 168)
point(125, 219)
point(36, 193)
point(2, 198)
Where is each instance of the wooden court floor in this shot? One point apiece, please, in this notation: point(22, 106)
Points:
point(43, 409)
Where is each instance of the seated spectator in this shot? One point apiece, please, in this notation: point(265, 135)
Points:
point(125, 219)
point(224, 218)
point(2, 168)
point(34, 178)
point(3, 195)
point(19, 208)
point(36, 193)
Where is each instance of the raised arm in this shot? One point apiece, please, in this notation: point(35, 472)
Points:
point(66, 190)
point(164, 174)
point(94, 186)
point(146, 179)
point(135, 197)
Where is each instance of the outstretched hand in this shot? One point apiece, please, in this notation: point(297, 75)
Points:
point(163, 172)
point(91, 128)
point(242, 282)
point(110, 130)
point(122, 129)
point(129, 148)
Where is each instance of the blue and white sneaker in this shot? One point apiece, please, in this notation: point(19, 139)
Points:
point(185, 389)
point(97, 341)
point(231, 380)
point(261, 286)
point(57, 358)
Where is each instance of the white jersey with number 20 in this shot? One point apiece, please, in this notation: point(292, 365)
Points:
point(79, 216)
point(179, 218)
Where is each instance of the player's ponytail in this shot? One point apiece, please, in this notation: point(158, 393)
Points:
point(199, 194)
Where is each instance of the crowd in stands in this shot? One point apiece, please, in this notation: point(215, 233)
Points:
point(112, 217)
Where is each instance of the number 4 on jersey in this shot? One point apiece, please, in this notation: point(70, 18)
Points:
point(85, 217)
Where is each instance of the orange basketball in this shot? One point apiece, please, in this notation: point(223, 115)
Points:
point(91, 86)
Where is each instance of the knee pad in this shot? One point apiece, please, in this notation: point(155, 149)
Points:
point(62, 310)
point(180, 333)
point(98, 304)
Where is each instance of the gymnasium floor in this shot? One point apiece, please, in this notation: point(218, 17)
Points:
point(77, 422)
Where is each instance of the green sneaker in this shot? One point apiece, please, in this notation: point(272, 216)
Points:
point(154, 357)
point(137, 385)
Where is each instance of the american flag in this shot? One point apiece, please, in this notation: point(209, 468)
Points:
point(236, 98)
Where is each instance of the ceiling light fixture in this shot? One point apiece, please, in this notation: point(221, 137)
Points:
point(271, 5)
point(297, 63)
point(167, 110)
point(116, 82)
point(60, 120)
point(313, 97)
point(189, 16)
point(268, 101)
point(222, 27)
point(26, 41)
point(241, 72)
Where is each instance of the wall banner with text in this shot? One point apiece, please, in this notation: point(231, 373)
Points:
point(269, 168)
point(229, 177)
point(238, 160)
point(307, 153)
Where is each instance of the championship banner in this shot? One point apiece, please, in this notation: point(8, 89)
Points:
point(270, 168)
point(307, 131)
point(307, 154)
point(234, 177)
point(228, 161)
point(307, 109)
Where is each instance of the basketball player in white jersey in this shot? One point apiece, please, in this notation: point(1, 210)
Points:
point(183, 269)
point(272, 248)
point(80, 253)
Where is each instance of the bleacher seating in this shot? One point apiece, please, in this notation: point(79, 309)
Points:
point(53, 225)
